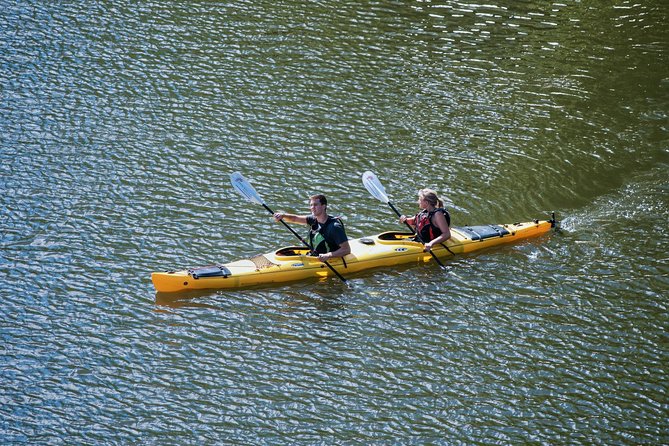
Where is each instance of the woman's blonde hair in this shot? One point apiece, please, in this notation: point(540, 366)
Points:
point(431, 197)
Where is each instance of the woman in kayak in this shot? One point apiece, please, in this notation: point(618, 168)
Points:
point(433, 222)
point(327, 236)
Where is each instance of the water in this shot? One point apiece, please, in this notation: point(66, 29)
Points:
point(121, 123)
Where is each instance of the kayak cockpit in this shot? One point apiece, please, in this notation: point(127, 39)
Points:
point(292, 251)
point(395, 236)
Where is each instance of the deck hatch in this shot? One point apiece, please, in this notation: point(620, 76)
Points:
point(209, 271)
point(482, 232)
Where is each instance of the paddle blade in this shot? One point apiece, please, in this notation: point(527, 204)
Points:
point(244, 188)
point(374, 186)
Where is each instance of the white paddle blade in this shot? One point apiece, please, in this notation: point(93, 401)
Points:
point(374, 186)
point(244, 188)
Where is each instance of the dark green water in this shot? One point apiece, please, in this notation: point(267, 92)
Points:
point(121, 121)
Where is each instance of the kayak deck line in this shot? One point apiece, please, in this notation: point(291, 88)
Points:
point(386, 249)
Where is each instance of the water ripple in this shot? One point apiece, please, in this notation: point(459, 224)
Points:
point(121, 124)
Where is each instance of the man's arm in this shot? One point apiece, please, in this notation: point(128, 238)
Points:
point(291, 218)
point(344, 249)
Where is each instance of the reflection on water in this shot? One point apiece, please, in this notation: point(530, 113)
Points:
point(121, 124)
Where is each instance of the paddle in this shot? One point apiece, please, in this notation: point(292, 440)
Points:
point(247, 191)
point(374, 186)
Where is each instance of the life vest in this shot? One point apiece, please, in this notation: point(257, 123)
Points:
point(424, 226)
point(317, 241)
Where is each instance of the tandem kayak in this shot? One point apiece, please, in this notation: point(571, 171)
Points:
point(382, 250)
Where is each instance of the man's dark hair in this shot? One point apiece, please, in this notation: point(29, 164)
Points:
point(321, 199)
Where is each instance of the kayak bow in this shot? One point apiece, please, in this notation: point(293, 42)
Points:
point(382, 250)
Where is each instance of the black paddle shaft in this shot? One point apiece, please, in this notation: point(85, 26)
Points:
point(289, 228)
point(392, 206)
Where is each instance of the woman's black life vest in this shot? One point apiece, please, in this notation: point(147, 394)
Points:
point(424, 226)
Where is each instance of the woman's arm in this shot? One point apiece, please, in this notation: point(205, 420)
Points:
point(408, 220)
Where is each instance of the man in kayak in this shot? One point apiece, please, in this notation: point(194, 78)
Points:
point(433, 222)
point(327, 236)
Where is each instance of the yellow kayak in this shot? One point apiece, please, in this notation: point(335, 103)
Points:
point(383, 250)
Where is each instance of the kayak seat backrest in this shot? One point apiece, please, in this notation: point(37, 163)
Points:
point(209, 271)
point(482, 232)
